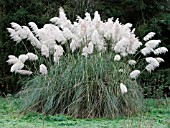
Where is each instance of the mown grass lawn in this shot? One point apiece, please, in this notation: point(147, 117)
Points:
point(157, 115)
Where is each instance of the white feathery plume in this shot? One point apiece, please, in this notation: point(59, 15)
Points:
point(148, 36)
point(150, 68)
point(33, 27)
point(108, 28)
point(58, 53)
point(98, 40)
point(55, 20)
point(50, 31)
point(42, 35)
point(88, 50)
point(133, 31)
point(90, 47)
point(74, 45)
point(19, 30)
point(123, 88)
point(159, 59)
point(121, 46)
point(133, 45)
point(58, 34)
point(23, 58)
point(117, 58)
point(116, 36)
point(34, 41)
point(50, 44)
point(145, 51)
point(152, 43)
point(96, 17)
point(43, 69)
point(32, 56)
point(131, 62)
point(160, 50)
point(59, 50)
point(128, 25)
point(67, 33)
point(88, 17)
point(85, 51)
point(152, 61)
point(26, 29)
point(56, 58)
point(23, 33)
point(30, 36)
point(16, 26)
point(89, 30)
point(12, 59)
point(24, 72)
point(97, 23)
point(101, 46)
point(45, 51)
point(95, 37)
point(14, 35)
point(17, 66)
point(62, 14)
point(125, 31)
point(64, 22)
point(124, 54)
point(134, 74)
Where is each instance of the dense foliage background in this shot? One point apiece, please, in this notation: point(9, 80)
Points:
point(146, 16)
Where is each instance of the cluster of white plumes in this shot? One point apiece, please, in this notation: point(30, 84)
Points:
point(86, 35)
point(18, 63)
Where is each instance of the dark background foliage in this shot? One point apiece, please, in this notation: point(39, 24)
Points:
point(145, 15)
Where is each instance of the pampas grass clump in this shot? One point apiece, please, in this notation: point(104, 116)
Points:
point(88, 68)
